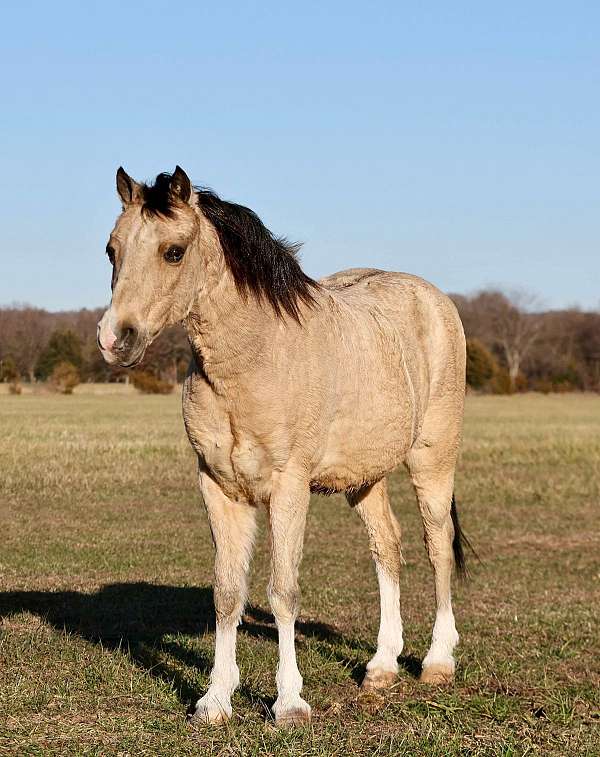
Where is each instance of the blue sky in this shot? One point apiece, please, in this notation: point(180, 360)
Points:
point(459, 141)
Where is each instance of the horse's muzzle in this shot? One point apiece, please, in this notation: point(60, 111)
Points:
point(125, 346)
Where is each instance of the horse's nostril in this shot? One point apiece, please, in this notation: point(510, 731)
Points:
point(128, 337)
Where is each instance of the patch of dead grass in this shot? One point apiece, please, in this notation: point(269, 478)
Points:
point(106, 633)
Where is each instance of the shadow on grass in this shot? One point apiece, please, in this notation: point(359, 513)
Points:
point(138, 617)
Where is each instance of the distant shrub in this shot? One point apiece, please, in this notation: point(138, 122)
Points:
point(10, 373)
point(63, 347)
point(64, 377)
point(147, 383)
point(501, 383)
point(542, 385)
point(8, 370)
point(481, 364)
point(521, 383)
point(569, 379)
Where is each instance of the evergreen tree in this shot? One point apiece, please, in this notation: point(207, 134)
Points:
point(63, 347)
point(481, 364)
point(8, 370)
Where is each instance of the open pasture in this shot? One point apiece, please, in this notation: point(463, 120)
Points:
point(106, 606)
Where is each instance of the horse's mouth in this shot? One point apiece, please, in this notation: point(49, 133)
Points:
point(128, 358)
point(133, 357)
point(132, 363)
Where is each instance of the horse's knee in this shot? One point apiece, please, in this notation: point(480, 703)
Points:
point(387, 553)
point(229, 604)
point(285, 600)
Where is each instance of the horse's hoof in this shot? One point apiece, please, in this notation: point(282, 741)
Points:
point(437, 674)
point(375, 680)
point(205, 717)
point(293, 718)
point(209, 711)
point(296, 713)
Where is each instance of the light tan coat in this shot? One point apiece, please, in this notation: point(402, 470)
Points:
point(371, 376)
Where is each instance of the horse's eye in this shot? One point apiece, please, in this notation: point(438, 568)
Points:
point(174, 254)
point(110, 251)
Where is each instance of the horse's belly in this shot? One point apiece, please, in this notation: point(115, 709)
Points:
point(361, 450)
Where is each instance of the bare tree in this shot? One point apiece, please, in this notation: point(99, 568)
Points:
point(24, 331)
point(513, 325)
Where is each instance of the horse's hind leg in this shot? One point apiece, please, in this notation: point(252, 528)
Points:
point(373, 506)
point(432, 473)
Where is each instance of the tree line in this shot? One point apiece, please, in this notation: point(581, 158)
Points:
point(511, 346)
point(33, 342)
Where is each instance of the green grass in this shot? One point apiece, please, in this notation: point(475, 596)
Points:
point(105, 573)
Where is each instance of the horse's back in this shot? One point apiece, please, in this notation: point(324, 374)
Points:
point(348, 277)
point(368, 284)
point(402, 344)
point(410, 311)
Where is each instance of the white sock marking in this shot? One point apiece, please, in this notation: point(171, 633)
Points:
point(288, 679)
point(224, 676)
point(443, 640)
point(389, 639)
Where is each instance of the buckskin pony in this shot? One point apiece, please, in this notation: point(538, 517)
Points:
point(295, 386)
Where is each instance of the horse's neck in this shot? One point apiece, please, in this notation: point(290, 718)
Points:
point(227, 331)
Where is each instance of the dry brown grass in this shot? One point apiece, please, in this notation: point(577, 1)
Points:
point(106, 564)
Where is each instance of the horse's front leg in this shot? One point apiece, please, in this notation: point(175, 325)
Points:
point(287, 518)
point(232, 525)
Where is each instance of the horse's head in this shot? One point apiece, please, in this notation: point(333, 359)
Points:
point(154, 269)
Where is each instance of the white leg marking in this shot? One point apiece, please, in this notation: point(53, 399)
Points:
point(215, 705)
point(443, 641)
point(289, 680)
point(389, 639)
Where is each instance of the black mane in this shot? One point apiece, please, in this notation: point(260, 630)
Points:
point(262, 264)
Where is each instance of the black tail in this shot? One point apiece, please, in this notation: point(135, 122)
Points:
point(458, 543)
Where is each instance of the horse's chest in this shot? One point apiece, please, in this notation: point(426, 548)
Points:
point(232, 455)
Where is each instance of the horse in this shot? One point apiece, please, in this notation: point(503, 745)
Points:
point(295, 386)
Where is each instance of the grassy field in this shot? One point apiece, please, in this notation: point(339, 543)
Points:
point(106, 607)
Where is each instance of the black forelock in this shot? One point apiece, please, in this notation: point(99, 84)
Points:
point(156, 198)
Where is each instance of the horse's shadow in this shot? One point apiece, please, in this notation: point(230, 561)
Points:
point(139, 619)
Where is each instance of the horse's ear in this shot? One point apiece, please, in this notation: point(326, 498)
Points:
point(128, 190)
point(181, 186)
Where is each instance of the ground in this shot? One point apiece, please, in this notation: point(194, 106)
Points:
point(107, 622)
